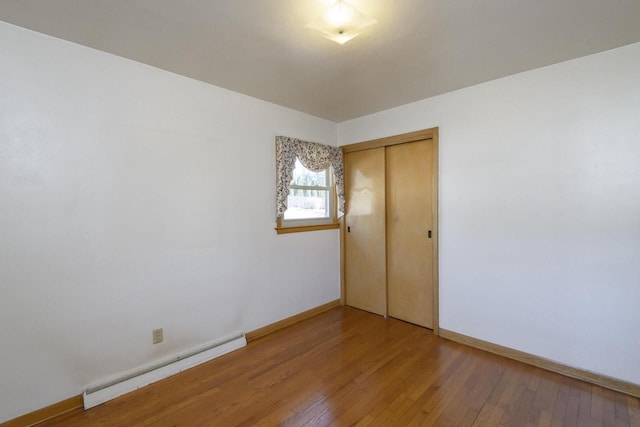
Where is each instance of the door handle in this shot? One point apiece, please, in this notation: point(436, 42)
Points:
point(348, 229)
point(429, 234)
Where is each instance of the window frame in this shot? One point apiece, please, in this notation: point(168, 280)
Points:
point(284, 226)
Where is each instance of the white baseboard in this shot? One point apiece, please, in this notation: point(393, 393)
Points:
point(106, 390)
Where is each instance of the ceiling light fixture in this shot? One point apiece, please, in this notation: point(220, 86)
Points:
point(341, 22)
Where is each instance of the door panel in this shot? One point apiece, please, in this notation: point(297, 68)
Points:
point(365, 257)
point(409, 218)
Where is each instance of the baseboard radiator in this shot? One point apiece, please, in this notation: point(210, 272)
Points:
point(129, 381)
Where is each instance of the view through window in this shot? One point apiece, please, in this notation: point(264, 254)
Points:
point(310, 194)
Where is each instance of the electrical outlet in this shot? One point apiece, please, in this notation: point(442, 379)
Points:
point(157, 336)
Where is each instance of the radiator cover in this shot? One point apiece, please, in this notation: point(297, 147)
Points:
point(129, 381)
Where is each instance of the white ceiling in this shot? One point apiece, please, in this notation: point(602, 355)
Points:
point(418, 49)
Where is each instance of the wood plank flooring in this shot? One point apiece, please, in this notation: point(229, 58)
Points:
point(347, 367)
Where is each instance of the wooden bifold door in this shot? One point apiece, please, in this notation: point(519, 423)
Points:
point(390, 227)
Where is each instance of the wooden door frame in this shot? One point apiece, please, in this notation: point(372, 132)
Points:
point(421, 135)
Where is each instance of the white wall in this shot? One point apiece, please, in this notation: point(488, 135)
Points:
point(132, 199)
point(539, 208)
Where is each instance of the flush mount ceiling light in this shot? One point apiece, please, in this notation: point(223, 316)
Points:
point(341, 22)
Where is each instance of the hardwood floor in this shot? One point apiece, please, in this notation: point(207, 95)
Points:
point(348, 367)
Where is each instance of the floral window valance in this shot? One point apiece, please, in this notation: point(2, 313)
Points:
point(313, 156)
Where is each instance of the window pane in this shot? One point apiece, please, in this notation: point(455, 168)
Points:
point(303, 176)
point(303, 204)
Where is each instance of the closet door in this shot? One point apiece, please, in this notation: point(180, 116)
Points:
point(365, 258)
point(409, 219)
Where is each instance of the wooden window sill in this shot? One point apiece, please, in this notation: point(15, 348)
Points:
point(285, 230)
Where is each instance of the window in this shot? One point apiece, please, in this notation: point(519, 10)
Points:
point(310, 200)
point(309, 185)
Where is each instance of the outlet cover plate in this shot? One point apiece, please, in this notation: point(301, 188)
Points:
point(157, 336)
